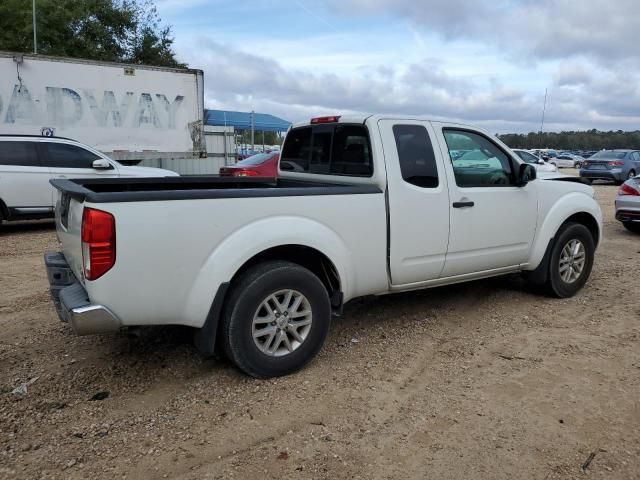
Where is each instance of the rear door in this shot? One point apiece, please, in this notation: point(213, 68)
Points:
point(24, 179)
point(418, 201)
point(492, 221)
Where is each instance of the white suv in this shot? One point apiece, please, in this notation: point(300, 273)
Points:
point(27, 163)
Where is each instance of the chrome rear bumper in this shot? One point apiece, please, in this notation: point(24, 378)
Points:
point(72, 302)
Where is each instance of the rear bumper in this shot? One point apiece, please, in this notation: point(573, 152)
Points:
point(72, 302)
point(602, 174)
point(627, 208)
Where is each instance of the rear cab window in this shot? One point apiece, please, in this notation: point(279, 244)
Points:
point(328, 149)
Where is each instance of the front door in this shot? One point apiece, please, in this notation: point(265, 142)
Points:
point(72, 161)
point(493, 221)
point(418, 201)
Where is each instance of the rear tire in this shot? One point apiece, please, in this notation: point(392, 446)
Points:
point(571, 260)
point(632, 226)
point(632, 173)
point(258, 302)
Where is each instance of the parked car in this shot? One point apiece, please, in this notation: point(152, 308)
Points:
point(260, 165)
point(371, 205)
point(615, 165)
point(540, 165)
point(545, 153)
point(27, 163)
point(567, 161)
point(628, 204)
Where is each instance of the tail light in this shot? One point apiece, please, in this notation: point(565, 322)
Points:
point(616, 163)
point(98, 243)
point(626, 189)
point(245, 173)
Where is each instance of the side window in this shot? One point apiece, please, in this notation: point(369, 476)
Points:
point(19, 154)
point(351, 151)
point(636, 156)
point(415, 153)
point(62, 155)
point(482, 163)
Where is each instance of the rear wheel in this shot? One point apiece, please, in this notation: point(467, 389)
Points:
point(276, 319)
point(632, 173)
point(571, 260)
point(632, 226)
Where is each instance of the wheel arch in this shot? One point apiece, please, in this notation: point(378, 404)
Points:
point(311, 258)
point(314, 260)
point(571, 208)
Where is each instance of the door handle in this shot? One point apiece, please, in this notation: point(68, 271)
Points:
point(463, 204)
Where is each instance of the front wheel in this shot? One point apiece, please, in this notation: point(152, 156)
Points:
point(571, 260)
point(276, 319)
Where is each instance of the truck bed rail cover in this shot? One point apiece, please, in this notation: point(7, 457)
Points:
point(202, 187)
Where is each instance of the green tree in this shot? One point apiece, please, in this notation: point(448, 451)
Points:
point(582, 140)
point(127, 31)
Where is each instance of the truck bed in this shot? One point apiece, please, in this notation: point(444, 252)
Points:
point(197, 187)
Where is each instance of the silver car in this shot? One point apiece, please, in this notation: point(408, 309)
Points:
point(628, 204)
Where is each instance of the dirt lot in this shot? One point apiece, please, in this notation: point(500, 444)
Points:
point(484, 380)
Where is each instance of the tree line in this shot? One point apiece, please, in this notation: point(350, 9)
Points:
point(580, 140)
point(128, 31)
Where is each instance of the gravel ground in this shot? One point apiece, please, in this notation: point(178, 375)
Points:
point(480, 380)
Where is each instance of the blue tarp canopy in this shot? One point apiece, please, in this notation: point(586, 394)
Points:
point(263, 122)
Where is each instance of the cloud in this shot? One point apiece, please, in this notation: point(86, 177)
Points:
point(490, 65)
point(543, 29)
point(238, 78)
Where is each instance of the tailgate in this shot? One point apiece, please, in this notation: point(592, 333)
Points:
point(69, 230)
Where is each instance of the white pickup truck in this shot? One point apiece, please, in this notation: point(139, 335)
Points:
point(362, 206)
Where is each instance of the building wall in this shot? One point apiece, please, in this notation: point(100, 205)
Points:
point(221, 151)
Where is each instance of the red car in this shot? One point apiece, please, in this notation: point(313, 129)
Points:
point(260, 165)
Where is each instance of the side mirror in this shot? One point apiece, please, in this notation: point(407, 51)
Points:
point(101, 164)
point(526, 174)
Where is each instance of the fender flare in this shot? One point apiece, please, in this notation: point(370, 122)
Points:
point(566, 207)
point(252, 239)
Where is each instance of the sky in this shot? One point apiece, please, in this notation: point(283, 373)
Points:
point(482, 62)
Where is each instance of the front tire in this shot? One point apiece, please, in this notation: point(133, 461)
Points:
point(276, 319)
point(571, 260)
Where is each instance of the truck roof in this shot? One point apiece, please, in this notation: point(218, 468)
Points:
point(375, 117)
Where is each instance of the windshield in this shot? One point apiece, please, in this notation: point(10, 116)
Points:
point(609, 154)
point(255, 159)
